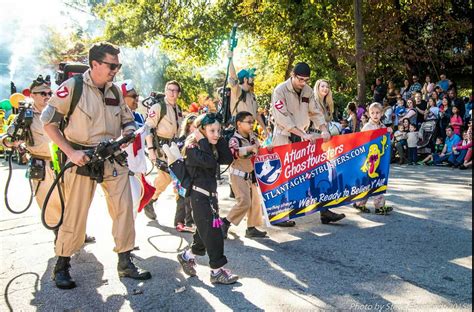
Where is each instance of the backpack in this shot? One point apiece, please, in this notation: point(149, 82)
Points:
point(76, 96)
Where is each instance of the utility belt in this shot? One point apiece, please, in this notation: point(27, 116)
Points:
point(203, 191)
point(37, 168)
point(245, 175)
point(93, 170)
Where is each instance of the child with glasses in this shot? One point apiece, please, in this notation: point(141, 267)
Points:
point(244, 145)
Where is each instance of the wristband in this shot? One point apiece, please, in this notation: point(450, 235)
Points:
point(151, 148)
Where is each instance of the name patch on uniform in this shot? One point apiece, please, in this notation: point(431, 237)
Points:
point(62, 92)
point(305, 100)
point(111, 102)
point(279, 104)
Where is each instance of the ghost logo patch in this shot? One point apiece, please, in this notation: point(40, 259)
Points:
point(62, 92)
point(279, 105)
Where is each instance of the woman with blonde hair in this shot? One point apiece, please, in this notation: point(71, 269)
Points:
point(323, 97)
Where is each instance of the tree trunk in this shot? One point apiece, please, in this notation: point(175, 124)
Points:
point(359, 56)
point(289, 65)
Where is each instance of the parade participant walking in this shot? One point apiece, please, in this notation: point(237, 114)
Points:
point(142, 191)
point(242, 97)
point(294, 108)
point(165, 119)
point(38, 148)
point(100, 114)
point(183, 219)
point(204, 150)
point(244, 145)
point(375, 113)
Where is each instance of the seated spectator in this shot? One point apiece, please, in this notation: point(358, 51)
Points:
point(432, 113)
point(363, 120)
point(391, 93)
point(454, 100)
point(460, 151)
point(405, 90)
point(345, 127)
point(399, 142)
point(421, 106)
point(436, 98)
point(387, 114)
point(451, 140)
point(411, 114)
point(400, 110)
point(444, 83)
point(438, 149)
point(428, 88)
point(415, 86)
point(468, 108)
point(352, 119)
point(360, 111)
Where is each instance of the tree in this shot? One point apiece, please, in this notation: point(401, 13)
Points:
point(360, 65)
point(400, 36)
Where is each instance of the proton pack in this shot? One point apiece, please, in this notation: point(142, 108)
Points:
point(67, 70)
point(19, 130)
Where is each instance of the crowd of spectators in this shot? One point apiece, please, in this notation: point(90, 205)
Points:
point(431, 123)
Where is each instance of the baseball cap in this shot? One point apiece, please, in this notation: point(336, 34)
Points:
point(302, 69)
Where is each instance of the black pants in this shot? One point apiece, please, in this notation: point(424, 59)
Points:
point(206, 238)
point(412, 154)
point(183, 212)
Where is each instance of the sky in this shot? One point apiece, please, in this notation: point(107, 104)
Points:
point(22, 27)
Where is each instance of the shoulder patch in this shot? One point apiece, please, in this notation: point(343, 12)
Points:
point(62, 92)
point(279, 104)
point(152, 113)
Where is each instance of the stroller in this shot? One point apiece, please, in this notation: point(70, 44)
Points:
point(427, 137)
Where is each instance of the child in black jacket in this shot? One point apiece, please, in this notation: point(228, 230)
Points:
point(205, 149)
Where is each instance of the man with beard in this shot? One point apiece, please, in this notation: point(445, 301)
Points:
point(242, 96)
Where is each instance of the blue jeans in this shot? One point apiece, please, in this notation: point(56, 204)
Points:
point(437, 159)
point(457, 159)
point(412, 155)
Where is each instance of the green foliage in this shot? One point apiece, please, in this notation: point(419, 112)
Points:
point(400, 37)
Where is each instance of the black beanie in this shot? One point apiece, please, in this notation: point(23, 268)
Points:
point(302, 69)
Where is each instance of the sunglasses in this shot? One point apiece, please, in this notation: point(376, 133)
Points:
point(44, 94)
point(112, 66)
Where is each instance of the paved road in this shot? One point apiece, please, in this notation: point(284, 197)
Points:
point(418, 258)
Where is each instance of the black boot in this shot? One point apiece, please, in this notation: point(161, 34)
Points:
point(329, 216)
point(126, 268)
point(61, 274)
point(149, 210)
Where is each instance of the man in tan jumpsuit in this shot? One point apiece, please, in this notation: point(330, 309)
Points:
point(100, 114)
point(242, 97)
point(166, 129)
point(293, 109)
point(40, 93)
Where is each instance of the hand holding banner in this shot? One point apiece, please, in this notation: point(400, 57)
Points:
point(301, 178)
